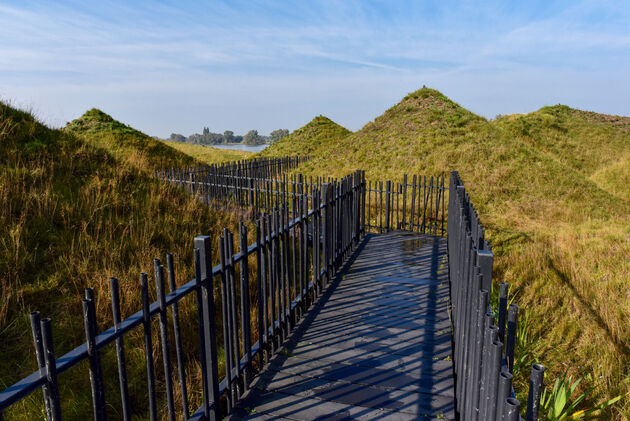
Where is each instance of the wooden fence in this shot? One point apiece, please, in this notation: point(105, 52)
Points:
point(300, 245)
point(483, 353)
point(417, 204)
point(248, 168)
point(297, 254)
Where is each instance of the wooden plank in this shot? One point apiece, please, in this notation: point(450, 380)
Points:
point(276, 404)
point(359, 395)
point(434, 381)
point(374, 359)
point(377, 345)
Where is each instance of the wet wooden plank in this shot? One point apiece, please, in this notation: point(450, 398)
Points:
point(377, 345)
point(432, 380)
point(428, 404)
point(261, 405)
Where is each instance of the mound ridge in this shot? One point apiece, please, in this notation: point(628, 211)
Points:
point(427, 133)
point(310, 138)
point(595, 145)
point(127, 143)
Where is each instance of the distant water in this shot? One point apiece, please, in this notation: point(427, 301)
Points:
point(240, 147)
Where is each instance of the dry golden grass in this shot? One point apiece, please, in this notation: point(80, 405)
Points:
point(74, 211)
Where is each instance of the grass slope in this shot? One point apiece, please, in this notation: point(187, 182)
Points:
point(127, 143)
point(552, 207)
point(207, 154)
point(596, 145)
point(315, 135)
point(78, 206)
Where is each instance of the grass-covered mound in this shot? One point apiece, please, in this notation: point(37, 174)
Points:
point(127, 143)
point(310, 138)
point(73, 212)
point(548, 189)
point(596, 145)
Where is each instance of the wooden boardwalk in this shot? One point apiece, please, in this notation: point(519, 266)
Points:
point(377, 345)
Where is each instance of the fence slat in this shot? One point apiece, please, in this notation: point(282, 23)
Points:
point(178, 337)
point(245, 311)
point(204, 279)
point(165, 345)
point(36, 330)
point(96, 373)
point(120, 350)
point(227, 329)
point(51, 370)
point(148, 345)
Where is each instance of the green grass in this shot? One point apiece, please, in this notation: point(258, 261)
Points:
point(78, 206)
point(595, 145)
point(127, 143)
point(551, 189)
point(318, 133)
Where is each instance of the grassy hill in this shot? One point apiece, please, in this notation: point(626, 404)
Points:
point(127, 143)
point(549, 189)
point(312, 137)
point(77, 206)
point(596, 145)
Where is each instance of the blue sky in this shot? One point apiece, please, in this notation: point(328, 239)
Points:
point(178, 66)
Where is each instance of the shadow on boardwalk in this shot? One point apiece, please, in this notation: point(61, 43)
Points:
point(377, 345)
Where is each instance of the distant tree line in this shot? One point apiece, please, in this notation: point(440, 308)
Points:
point(209, 138)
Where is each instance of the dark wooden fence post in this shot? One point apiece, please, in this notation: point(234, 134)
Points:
point(511, 336)
point(206, 284)
point(178, 337)
point(245, 312)
point(404, 200)
point(226, 319)
point(413, 202)
point(259, 290)
point(96, 373)
point(54, 405)
point(363, 192)
point(511, 411)
point(160, 287)
point(148, 345)
point(36, 329)
point(503, 302)
point(250, 185)
point(120, 350)
point(505, 390)
point(535, 390)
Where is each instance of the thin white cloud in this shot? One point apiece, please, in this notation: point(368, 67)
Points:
point(170, 68)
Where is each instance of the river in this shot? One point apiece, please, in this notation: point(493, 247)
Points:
point(241, 147)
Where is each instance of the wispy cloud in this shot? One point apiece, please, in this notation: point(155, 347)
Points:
point(266, 64)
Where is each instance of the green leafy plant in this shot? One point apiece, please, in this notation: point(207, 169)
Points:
point(526, 348)
point(559, 404)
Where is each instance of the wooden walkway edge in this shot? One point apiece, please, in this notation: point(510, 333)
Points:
point(377, 345)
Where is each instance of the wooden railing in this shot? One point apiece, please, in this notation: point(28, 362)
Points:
point(247, 168)
point(304, 233)
point(483, 348)
point(296, 256)
point(416, 204)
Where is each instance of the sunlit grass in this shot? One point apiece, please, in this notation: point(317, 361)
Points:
point(75, 209)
